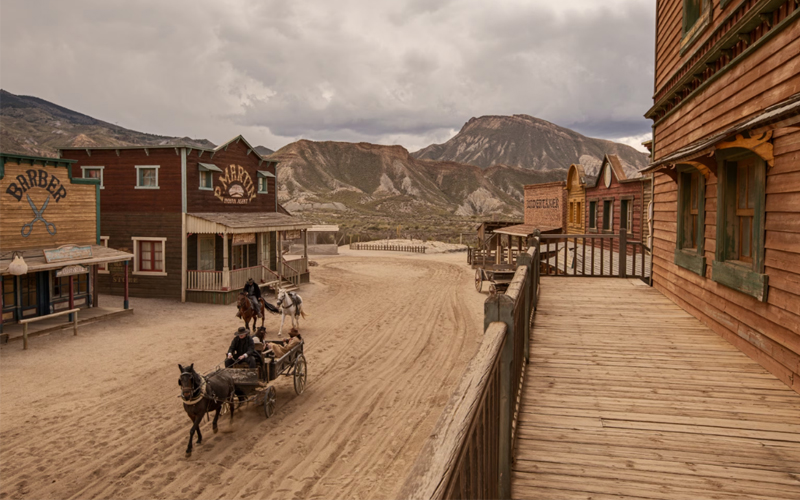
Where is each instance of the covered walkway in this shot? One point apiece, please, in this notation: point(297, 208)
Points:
point(627, 395)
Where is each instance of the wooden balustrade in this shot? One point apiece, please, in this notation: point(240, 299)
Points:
point(391, 247)
point(204, 280)
point(595, 255)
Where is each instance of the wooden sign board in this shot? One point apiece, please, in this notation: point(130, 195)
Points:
point(71, 271)
point(291, 235)
point(67, 252)
point(244, 239)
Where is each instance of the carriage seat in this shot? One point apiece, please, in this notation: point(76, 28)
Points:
point(258, 345)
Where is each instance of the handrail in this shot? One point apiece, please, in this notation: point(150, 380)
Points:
point(295, 277)
point(24, 323)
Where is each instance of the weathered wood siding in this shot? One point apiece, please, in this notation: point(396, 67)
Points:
point(199, 200)
point(770, 74)
point(72, 208)
point(576, 194)
point(124, 226)
point(617, 190)
point(767, 332)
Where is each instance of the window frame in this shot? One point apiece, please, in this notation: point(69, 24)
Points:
point(137, 250)
point(147, 167)
point(746, 277)
point(266, 184)
point(690, 258)
point(628, 202)
point(102, 174)
point(213, 238)
point(211, 179)
point(610, 230)
point(592, 225)
point(103, 267)
point(690, 34)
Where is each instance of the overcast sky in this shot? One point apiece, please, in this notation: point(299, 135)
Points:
point(407, 72)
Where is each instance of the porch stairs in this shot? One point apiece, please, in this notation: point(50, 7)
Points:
point(276, 284)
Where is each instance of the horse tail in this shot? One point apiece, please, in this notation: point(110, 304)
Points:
point(303, 314)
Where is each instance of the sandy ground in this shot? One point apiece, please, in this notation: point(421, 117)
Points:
point(97, 416)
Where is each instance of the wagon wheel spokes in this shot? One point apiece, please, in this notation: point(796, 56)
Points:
point(300, 374)
point(270, 400)
point(478, 280)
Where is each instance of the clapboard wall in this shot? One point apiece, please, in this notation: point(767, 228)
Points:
point(767, 332)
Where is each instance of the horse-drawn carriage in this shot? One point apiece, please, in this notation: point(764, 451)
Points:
point(498, 275)
point(252, 384)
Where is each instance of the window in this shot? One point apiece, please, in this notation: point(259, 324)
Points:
point(593, 215)
point(626, 215)
point(571, 212)
point(147, 176)
point(691, 215)
point(206, 252)
point(102, 268)
point(60, 288)
point(608, 215)
point(93, 173)
point(578, 214)
point(263, 184)
point(206, 180)
point(9, 297)
point(691, 13)
point(149, 255)
point(739, 256)
point(696, 17)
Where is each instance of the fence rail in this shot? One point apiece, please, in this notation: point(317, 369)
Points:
point(469, 453)
point(204, 280)
point(483, 256)
point(388, 246)
point(594, 255)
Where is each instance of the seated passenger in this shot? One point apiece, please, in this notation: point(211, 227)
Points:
point(280, 348)
point(241, 349)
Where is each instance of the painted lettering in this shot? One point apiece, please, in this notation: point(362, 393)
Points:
point(23, 182)
point(51, 187)
point(32, 177)
point(15, 191)
point(61, 193)
point(42, 179)
point(543, 203)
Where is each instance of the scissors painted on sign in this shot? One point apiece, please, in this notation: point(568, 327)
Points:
point(27, 229)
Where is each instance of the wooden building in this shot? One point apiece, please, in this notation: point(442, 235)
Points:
point(546, 206)
point(726, 158)
point(199, 222)
point(50, 219)
point(576, 198)
point(613, 201)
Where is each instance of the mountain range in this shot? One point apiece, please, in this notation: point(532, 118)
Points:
point(481, 171)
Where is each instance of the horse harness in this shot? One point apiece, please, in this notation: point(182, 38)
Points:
point(200, 390)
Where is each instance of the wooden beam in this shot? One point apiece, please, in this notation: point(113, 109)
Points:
point(745, 38)
point(705, 164)
point(200, 154)
point(117, 150)
point(88, 153)
point(147, 151)
point(767, 17)
point(248, 152)
point(792, 121)
point(177, 152)
point(760, 145)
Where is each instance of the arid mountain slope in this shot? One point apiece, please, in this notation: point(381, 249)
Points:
point(527, 142)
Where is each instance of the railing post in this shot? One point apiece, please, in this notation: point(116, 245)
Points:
point(501, 308)
point(75, 324)
point(24, 336)
point(525, 259)
point(623, 253)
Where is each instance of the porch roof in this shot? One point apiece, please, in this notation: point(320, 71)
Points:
point(237, 222)
point(35, 260)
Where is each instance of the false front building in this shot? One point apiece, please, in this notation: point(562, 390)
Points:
point(199, 222)
point(726, 158)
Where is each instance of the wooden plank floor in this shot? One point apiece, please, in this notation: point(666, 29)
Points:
point(629, 396)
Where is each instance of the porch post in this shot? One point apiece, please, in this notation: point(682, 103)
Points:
point(125, 300)
point(71, 296)
point(279, 246)
point(95, 277)
point(305, 245)
point(2, 290)
point(184, 244)
point(226, 276)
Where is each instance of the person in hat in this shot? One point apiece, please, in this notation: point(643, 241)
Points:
point(280, 348)
point(241, 349)
point(253, 292)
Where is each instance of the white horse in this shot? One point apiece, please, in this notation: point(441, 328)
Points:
point(292, 305)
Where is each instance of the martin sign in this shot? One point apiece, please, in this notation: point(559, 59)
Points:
point(236, 187)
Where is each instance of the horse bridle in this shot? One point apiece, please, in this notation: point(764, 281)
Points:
point(280, 301)
point(197, 388)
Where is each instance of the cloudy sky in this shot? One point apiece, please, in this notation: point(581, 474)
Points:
point(407, 72)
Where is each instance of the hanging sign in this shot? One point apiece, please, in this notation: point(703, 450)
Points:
point(67, 252)
point(235, 186)
point(244, 239)
point(71, 271)
point(291, 235)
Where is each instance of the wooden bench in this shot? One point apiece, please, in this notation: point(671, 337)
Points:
point(25, 322)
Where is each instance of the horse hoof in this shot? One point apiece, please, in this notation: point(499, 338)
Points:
point(215, 430)
point(188, 454)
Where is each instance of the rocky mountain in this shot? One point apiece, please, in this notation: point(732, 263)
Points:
point(530, 143)
point(387, 179)
point(33, 126)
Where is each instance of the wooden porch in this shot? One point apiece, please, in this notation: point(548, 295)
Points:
point(627, 395)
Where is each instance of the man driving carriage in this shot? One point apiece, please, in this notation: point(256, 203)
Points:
point(242, 349)
point(253, 292)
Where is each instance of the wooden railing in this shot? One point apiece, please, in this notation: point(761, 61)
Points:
point(238, 277)
point(204, 280)
point(598, 255)
point(25, 322)
point(388, 247)
point(470, 450)
point(290, 273)
point(483, 256)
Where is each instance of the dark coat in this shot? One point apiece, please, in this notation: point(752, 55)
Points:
point(242, 346)
point(252, 289)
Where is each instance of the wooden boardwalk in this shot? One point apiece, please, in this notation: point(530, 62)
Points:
point(629, 396)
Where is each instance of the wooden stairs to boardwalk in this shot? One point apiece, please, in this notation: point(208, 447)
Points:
point(628, 396)
point(275, 285)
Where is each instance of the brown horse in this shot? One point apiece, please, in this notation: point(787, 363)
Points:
point(246, 308)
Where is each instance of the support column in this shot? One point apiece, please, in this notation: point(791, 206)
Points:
point(2, 290)
point(305, 245)
point(71, 296)
point(279, 248)
point(125, 303)
point(95, 293)
point(226, 274)
point(184, 243)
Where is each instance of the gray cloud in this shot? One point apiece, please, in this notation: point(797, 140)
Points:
point(404, 71)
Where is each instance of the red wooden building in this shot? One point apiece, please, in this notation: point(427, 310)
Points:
point(613, 201)
point(198, 221)
point(726, 158)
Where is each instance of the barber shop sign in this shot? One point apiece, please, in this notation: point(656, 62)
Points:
point(36, 179)
point(235, 187)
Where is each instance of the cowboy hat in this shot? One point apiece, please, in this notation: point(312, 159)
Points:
point(242, 330)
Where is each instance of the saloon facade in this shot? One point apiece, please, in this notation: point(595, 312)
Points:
point(726, 158)
point(199, 222)
point(50, 222)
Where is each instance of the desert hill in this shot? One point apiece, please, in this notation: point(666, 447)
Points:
point(527, 142)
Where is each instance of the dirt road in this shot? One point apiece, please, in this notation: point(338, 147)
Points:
point(97, 416)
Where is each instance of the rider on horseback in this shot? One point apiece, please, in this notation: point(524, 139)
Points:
point(253, 292)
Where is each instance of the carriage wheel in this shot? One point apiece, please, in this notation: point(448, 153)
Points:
point(478, 280)
point(270, 400)
point(300, 374)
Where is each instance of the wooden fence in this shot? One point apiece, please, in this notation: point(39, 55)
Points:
point(387, 246)
point(589, 255)
point(469, 452)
